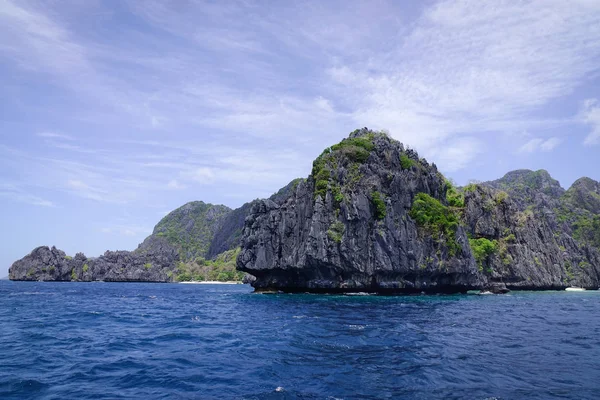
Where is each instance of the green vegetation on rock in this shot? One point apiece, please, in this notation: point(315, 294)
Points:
point(406, 162)
point(586, 229)
point(580, 208)
point(569, 271)
point(352, 151)
point(454, 197)
point(191, 228)
point(148, 265)
point(500, 197)
point(336, 231)
point(441, 221)
point(222, 269)
point(379, 203)
point(86, 267)
point(470, 188)
point(482, 249)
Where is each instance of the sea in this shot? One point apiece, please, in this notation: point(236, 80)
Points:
point(172, 341)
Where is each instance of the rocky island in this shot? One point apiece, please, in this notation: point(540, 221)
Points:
point(196, 242)
point(372, 217)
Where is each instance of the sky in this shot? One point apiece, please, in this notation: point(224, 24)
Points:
point(114, 113)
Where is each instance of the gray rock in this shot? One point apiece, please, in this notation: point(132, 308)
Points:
point(194, 230)
point(330, 236)
point(531, 255)
point(291, 246)
point(50, 264)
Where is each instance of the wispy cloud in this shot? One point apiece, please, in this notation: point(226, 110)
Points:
point(196, 96)
point(474, 67)
point(590, 115)
point(20, 195)
point(54, 135)
point(126, 230)
point(550, 144)
point(456, 154)
point(84, 190)
point(174, 184)
point(538, 144)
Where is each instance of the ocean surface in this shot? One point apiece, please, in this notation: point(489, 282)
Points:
point(170, 341)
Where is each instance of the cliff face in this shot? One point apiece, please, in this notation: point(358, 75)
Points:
point(532, 251)
point(374, 217)
point(229, 234)
point(348, 227)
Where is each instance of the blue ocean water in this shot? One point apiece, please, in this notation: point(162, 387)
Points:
point(155, 341)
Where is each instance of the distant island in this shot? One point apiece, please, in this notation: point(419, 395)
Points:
point(372, 217)
point(196, 242)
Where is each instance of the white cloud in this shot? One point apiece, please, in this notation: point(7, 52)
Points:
point(456, 153)
point(590, 114)
point(21, 195)
point(84, 190)
point(174, 184)
point(324, 104)
point(538, 144)
point(531, 146)
point(126, 230)
point(77, 185)
point(203, 175)
point(550, 144)
point(439, 82)
point(474, 67)
point(54, 135)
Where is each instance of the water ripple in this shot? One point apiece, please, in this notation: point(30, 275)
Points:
point(150, 341)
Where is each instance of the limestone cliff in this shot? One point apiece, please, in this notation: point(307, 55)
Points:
point(373, 216)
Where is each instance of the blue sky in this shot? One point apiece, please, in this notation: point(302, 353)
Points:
point(115, 112)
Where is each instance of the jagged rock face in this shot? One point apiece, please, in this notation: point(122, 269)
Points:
point(341, 241)
point(528, 187)
point(191, 228)
point(51, 264)
point(229, 234)
point(333, 234)
point(530, 253)
point(567, 222)
point(584, 194)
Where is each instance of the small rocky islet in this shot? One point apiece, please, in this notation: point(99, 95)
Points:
point(372, 217)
